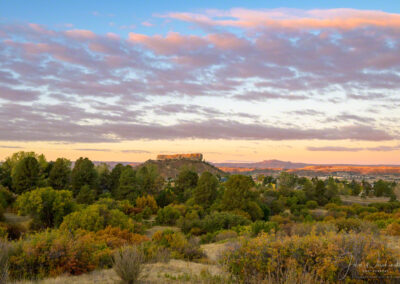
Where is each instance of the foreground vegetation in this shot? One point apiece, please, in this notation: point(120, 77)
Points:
point(285, 229)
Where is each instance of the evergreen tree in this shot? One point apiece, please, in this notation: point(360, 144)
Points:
point(26, 175)
point(320, 192)
point(114, 176)
point(104, 175)
point(149, 180)
point(60, 174)
point(206, 189)
point(86, 195)
point(184, 183)
point(83, 174)
point(128, 188)
point(239, 196)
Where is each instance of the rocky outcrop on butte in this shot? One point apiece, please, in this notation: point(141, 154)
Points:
point(193, 157)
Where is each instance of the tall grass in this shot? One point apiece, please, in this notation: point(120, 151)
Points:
point(4, 251)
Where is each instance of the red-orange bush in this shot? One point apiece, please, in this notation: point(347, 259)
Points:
point(54, 252)
point(114, 237)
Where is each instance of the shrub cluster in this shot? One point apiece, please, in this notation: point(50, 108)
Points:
point(333, 257)
point(179, 245)
point(97, 217)
point(54, 252)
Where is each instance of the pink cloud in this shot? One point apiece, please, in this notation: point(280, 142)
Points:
point(81, 34)
point(171, 43)
point(227, 41)
point(147, 24)
point(291, 18)
point(113, 36)
point(40, 29)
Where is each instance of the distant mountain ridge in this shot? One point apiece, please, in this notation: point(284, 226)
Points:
point(278, 164)
point(273, 164)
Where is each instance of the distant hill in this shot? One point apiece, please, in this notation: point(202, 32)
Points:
point(170, 168)
point(273, 164)
point(362, 170)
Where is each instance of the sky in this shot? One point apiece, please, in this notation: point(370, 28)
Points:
point(239, 81)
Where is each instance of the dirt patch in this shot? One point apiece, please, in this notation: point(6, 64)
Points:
point(215, 250)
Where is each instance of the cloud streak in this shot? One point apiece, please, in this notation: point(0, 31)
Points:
point(291, 18)
point(354, 149)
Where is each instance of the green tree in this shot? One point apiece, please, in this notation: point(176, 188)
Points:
point(186, 179)
point(206, 190)
point(320, 192)
point(26, 175)
point(269, 180)
point(355, 187)
point(149, 180)
point(60, 174)
point(5, 177)
point(86, 195)
point(104, 175)
point(287, 181)
point(237, 192)
point(239, 196)
point(10, 164)
point(382, 188)
point(185, 183)
point(114, 176)
point(83, 174)
point(46, 206)
point(309, 189)
point(128, 188)
point(332, 190)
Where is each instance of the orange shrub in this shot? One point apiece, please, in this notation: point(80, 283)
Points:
point(54, 252)
point(393, 229)
point(114, 237)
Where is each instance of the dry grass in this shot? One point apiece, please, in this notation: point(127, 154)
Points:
point(346, 199)
point(176, 271)
point(4, 251)
point(214, 251)
point(150, 232)
point(107, 276)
